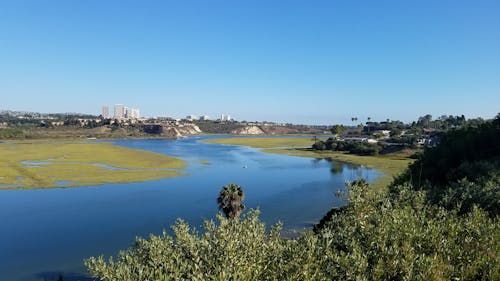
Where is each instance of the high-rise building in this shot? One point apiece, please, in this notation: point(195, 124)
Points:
point(224, 117)
point(134, 113)
point(119, 111)
point(126, 112)
point(105, 112)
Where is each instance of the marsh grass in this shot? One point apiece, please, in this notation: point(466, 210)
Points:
point(80, 164)
point(265, 142)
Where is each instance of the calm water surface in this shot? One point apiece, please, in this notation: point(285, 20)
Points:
point(47, 231)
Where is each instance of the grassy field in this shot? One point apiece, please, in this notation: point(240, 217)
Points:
point(265, 142)
point(390, 164)
point(67, 164)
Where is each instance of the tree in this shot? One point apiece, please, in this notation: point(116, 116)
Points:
point(229, 200)
point(424, 121)
point(319, 145)
point(337, 129)
point(396, 132)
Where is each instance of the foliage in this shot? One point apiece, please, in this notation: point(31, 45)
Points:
point(444, 122)
point(386, 125)
point(211, 127)
point(396, 132)
point(379, 236)
point(387, 237)
point(463, 165)
point(354, 147)
point(319, 145)
point(229, 200)
point(231, 250)
point(409, 140)
point(337, 129)
point(14, 133)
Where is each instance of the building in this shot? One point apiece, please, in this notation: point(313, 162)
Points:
point(191, 117)
point(105, 112)
point(224, 117)
point(119, 111)
point(360, 139)
point(204, 118)
point(134, 113)
point(126, 112)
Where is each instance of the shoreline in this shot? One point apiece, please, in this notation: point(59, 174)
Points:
point(390, 165)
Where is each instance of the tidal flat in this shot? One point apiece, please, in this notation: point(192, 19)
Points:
point(27, 165)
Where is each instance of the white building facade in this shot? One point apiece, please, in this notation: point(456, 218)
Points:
point(105, 112)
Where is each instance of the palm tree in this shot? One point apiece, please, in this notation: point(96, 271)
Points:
point(229, 200)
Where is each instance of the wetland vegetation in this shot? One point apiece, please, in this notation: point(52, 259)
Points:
point(67, 164)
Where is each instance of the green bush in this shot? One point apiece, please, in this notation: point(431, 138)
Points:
point(359, 148)
point(14, 133)
point(461, 171)
point(401, 237)
point(383, 236)
point(230, 250)
point(319, 145)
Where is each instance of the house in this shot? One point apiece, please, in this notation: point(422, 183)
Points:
point(360, 139)
point(430, 141)
point(385, 133)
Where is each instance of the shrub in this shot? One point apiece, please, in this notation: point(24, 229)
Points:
point(319, 145)
point(381, 236)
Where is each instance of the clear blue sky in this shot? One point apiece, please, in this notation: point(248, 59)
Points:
point(299, 61)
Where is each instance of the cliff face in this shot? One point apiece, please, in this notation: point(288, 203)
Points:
point(273, 130)
point(172, 131)
point(188, 129)
point(248, 130)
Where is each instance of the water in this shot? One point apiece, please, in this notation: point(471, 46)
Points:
point(47, 231)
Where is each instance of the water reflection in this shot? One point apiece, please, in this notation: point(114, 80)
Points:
point(350, 171)
point(336, 167)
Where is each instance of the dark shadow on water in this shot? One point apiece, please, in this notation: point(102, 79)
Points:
point(337, 167)
point(66, 276)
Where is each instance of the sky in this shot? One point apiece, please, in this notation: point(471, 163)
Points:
point(307, 61)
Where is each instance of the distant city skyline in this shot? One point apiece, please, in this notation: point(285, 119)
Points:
point(314, 62)
point(120, 112)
